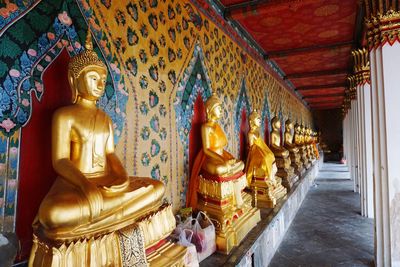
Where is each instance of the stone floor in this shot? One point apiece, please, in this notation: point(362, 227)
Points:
point(328, 229)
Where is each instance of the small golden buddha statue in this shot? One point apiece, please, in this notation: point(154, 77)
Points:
point(261, 167)
point(217, 182)
point(308, 141)
point(292, 148)
point(300, 131)
point(314, 143)
point(283, 162)
point(93, 196)
point(276, 139)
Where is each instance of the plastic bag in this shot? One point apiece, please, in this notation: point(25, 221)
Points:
point(191, 257)
point(203, 236)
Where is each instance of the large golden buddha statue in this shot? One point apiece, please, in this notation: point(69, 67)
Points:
point(93, 197)
point(217, 182)
point(283, 162)
point(261, 167)
point(293, 149)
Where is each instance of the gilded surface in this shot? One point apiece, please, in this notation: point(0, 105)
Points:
point(93, 196)
point(150, 44)
point(261, 167)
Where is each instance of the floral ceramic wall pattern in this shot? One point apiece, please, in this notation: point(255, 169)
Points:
point(155, 50)
point(29, 43)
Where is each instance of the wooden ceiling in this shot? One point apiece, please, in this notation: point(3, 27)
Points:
point(309, 40)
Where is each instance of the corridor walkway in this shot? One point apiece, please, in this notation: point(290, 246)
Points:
point(328, 229)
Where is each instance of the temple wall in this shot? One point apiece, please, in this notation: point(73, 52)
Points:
point(160, 55)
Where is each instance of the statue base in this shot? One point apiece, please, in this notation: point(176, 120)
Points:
point(166, 254)
point(266, 196)
point(139, 244)
point(296, 163)
point(232, 215)
point(289, 181)
point(304, 158)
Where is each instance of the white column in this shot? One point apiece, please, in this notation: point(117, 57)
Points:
point(385, 82)
point(354, 158)
point(360, 155)
point(357, 147)
point(367, 149)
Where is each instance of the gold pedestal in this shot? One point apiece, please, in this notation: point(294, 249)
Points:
point(125, 247)
point(286, 172)
point(265, 195)
point(232, 215)
point(295, 159)
point(304, 158)
point(100, 251)
point(168, 254)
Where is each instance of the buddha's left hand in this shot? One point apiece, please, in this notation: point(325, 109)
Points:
point(119, 185)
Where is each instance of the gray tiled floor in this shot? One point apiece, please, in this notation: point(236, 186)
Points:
point(328, 229)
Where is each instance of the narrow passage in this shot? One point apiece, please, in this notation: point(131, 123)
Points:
point(328, 229)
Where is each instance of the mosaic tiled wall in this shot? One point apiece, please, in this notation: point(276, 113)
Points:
point(161, 54)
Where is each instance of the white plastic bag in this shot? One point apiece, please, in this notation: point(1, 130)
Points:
point(203, 236)
point(191, 257)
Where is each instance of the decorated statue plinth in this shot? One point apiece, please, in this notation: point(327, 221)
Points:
point(217, 181)
point(267, 193)
point(283, 162)
point(229, 207)
point(142, 243)
point(261, 168)
point(294, 152)
point(95, 214)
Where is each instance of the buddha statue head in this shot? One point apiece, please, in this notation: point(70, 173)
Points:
point(297, 129)
point(288, 125)
point(213, 108)
point(87, 74)
point(254, 120)
point(276, 124)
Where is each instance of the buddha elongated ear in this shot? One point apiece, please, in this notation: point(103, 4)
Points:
point(72, 85)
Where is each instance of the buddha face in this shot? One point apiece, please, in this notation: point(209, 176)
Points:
point(255, 122)
point(91, 82)
point(216, 112)
point(289, 126)
point(276, 124)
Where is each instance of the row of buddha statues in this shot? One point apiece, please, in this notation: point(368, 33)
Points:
point(97, 215)
point(231, 191)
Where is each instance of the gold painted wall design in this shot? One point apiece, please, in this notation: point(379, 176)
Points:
point(155, 41)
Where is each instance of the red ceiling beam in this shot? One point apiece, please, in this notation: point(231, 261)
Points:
point(326, 104)
point(316, 73)
point(308, 97)
point(261, 8)
point(326, 108)
point(302, 50)
point(324, 95)
point(324, 100)
point(323, 86)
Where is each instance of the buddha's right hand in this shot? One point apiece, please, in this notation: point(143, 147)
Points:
point(94, 197)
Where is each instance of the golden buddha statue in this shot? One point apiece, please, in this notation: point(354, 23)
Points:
point(300, 142)
point(283, 162)
point(314, 144)
point(261, 167)
point(308, 141)
point(217, 182)
point(292, 148)
point(93, 197)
